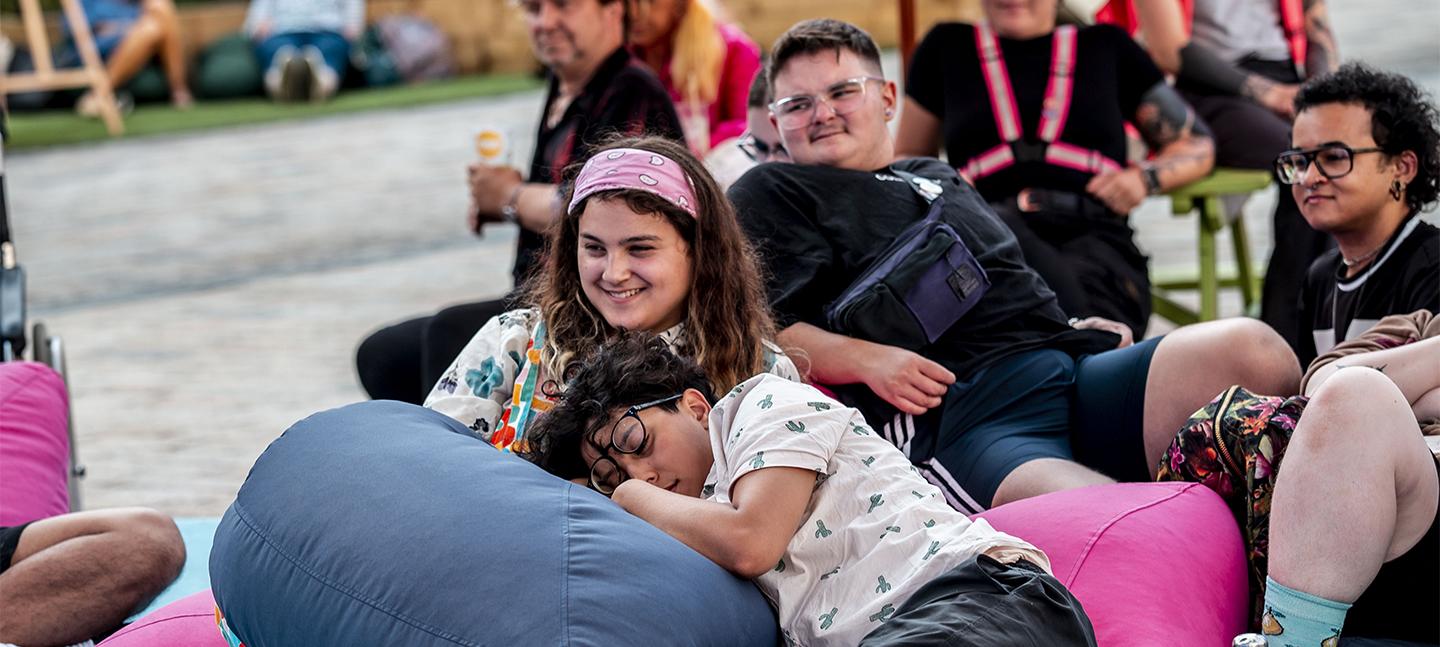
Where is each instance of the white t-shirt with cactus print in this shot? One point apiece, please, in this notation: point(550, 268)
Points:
point(874, 532)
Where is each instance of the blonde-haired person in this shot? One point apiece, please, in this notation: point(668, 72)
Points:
point(704, 62)
point(648, 241)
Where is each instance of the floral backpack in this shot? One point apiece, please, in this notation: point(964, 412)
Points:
point(1234, 446)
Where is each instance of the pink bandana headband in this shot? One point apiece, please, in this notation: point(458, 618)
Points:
point(632, 168)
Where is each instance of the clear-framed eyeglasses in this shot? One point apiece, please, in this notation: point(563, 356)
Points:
point(1331, 160)
point(627, 436)
point(845, 97)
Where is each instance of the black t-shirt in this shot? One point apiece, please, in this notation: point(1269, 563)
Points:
point(817, 228)
point(1112, 75)
point(1405, 277)
point(624, 96)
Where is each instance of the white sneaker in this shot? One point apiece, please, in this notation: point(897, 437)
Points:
point(88, 106)
point(324, 82)
point(275, 74)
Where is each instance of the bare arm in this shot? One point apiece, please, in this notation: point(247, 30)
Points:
point(746, 538)
point(1185, 152)
point(909, 382)
point(919, 134)
point(1322, 56)
point(538, 206)
point(1162, 26)
point(493, 187)
point(1414, 367)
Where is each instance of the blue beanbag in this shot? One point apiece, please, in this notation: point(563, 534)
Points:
point(383, 523)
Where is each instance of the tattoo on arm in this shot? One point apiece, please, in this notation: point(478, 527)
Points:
point(1181, 141)
point(1255, 87)
point(1380, 368)
point(1321, 54)
point(1163, 118)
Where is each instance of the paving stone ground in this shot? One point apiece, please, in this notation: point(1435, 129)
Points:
point(211, 288)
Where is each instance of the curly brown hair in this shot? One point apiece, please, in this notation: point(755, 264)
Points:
point(1402, 117)
point(726, 315)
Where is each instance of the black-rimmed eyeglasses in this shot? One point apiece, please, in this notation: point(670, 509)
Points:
point(758, 150)
point(844, 97)
point(627, 436)
point(1332, 160)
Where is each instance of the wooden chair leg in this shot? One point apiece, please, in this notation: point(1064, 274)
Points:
point(1245, 271)
point(1209, 279)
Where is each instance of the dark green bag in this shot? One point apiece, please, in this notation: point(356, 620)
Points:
point(374, 61)
point(228, 69)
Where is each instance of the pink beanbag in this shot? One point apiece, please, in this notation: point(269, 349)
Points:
point(187, 622)
point(34, 446)
point(1153, 563)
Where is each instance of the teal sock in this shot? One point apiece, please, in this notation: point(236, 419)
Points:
point(1297, 619)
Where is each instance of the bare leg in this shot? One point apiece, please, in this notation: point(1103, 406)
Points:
point(1045, 475)
point(1194, 363)
point(77, 575)
point(172, 50)
point(156, 31)
point(140, 44)
point(1356, 488)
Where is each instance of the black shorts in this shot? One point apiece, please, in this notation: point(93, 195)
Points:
point(985, 602)
point(1400, 604)
point(1107, 424)
point(9, 540)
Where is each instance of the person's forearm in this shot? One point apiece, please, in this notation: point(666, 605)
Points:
point(833, 359)
point(1184, 150)
point(1201, 66)
point(1414, 367)
point(1322, 56)
point(537, 206)
point(711, 529)
point(1184, 161)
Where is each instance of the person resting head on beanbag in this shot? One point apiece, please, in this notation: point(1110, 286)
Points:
point(879, 557)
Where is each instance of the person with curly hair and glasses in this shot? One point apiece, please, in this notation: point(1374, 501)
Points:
point(1365, 163)
point(647, 242)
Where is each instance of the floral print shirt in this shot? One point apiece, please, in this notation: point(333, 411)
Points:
point(479, 387)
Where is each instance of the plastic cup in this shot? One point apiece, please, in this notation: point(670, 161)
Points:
point(492, 145)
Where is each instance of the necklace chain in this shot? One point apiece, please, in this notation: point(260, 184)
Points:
point(1349, 262)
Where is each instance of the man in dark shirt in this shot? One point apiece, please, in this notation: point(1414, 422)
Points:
point(1365, 163)
point(989, 411)
point(596, 89)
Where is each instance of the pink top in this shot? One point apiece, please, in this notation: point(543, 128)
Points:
point(727, 114)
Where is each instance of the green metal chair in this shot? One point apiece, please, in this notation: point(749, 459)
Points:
point(1205, 198)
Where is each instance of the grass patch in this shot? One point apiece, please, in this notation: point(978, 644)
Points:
point(59, 127)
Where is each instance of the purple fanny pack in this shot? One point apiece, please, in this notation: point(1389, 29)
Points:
point(925, 281)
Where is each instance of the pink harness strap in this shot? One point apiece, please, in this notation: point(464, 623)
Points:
point(1055, 110)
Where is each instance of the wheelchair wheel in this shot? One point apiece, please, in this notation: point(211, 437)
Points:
point(47, 350)
point(38, 347)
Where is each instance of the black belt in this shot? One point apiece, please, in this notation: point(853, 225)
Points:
point(1035, 200)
